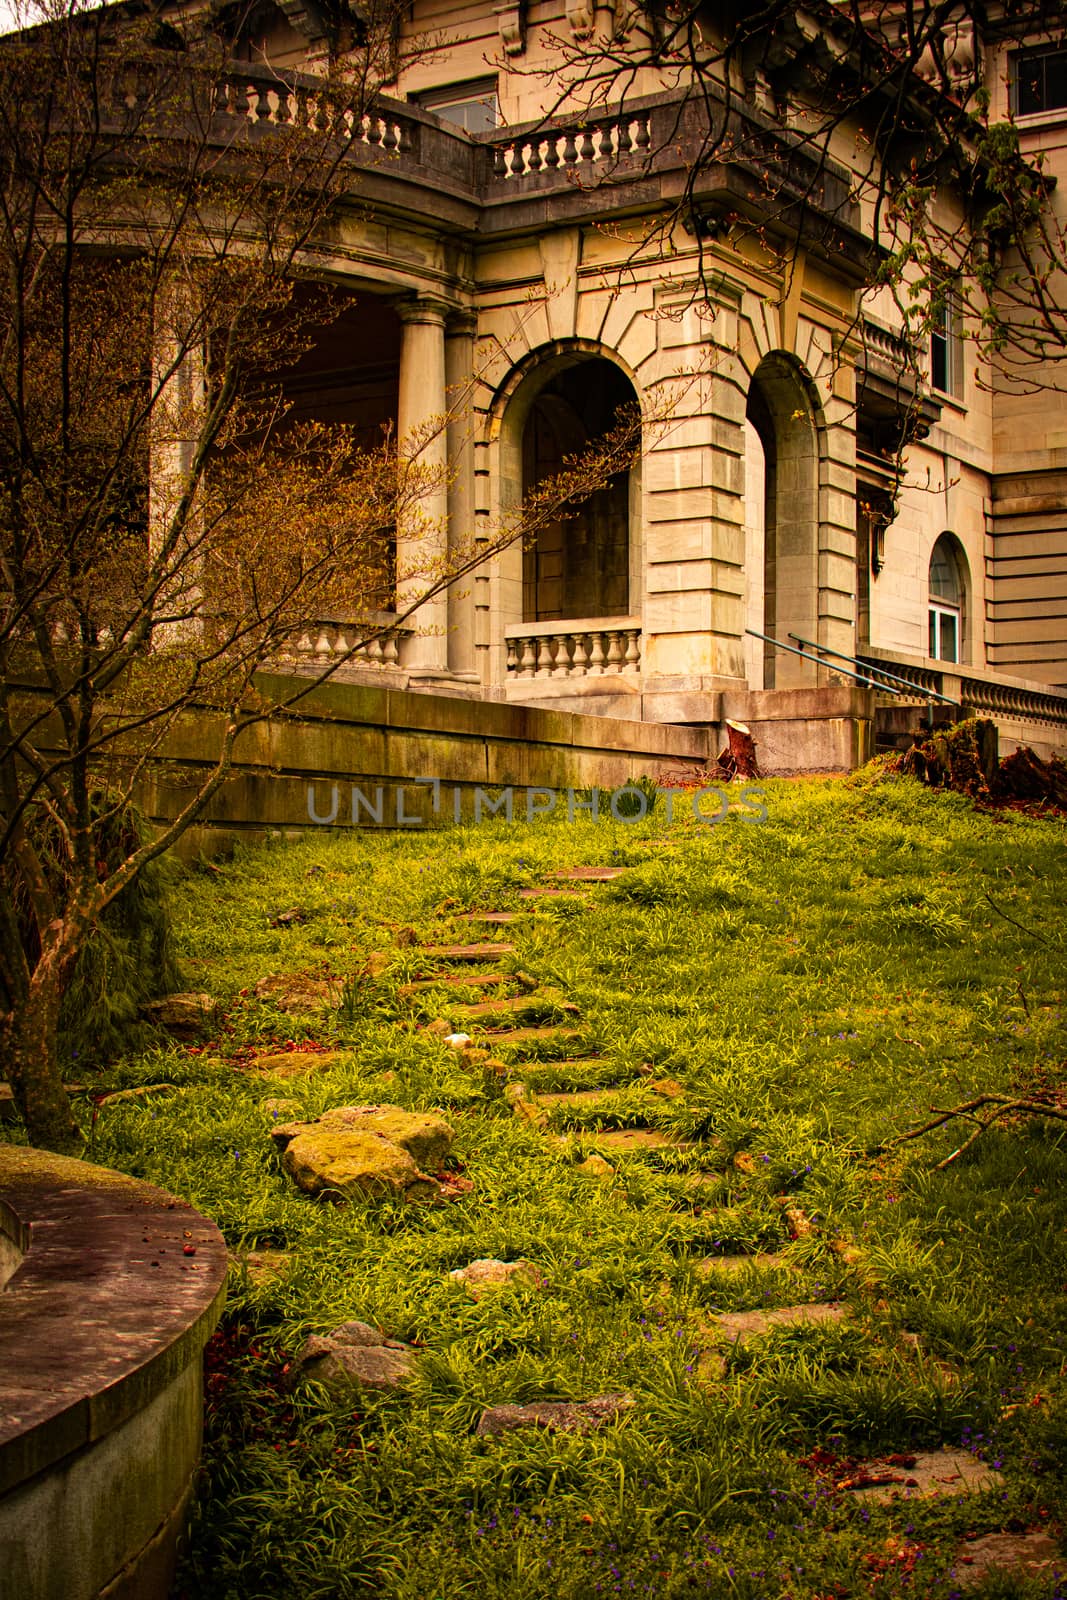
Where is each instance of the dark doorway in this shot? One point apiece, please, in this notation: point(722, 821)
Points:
point(579, 565)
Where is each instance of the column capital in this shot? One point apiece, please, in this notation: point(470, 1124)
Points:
point(423, 308)
point(461, 324)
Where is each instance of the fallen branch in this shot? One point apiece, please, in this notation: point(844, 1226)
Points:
point(1002, 1105)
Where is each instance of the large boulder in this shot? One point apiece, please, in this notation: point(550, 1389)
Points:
point(556, 1416)
point(343, 1161)
point(356, 1353)
point(299, 991)
point(426, 1138)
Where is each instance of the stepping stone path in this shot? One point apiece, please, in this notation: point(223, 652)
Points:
point(383, 1148)
point(296, 1063)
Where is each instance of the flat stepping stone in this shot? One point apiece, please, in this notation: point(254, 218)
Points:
point(296, 1063)
point(463, 980)
point(546, 893)
point(262, 1266)
point(633, 1139)
point(589, 874)
point(734, 1326)
point(575, 1097)
point(1030, 1555)
point(486, 1274)
point(465, 952)
point(516, 1006)
point(499, 917)
point(926, 1475)
point(521, 1035)
point(763, 1261)
point(557, 1416)
point(299, 991)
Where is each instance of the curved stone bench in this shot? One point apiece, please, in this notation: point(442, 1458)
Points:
point(103, 1320)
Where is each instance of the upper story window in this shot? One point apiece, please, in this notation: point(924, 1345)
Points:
point(1038, 80)
point(471, 105)
point(946, 345)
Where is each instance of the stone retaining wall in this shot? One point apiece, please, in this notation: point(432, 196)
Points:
point(114, 1289)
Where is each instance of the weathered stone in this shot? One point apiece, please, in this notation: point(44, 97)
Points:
point(426, 1138)
point(278, 1107)
point(185, 1016)
point(357, 1333)
point(461, 980)
point(486, 1274)
point(525, 1105)
point(667, 1088)
point(588, 874)
point(522, 1035)
point(558, 1416)
point(1029, 1555)
point(760, 1262)
point(498, 917)
point(466, 952)
point(296, 1063)
point(927, 1475)
point(734, 1326)
point(321, 1159)
point(262, 1266)
point(635, 1139)
point(515, 1006)
point(370, 1366)
point(299, 991)
point(597, 1167)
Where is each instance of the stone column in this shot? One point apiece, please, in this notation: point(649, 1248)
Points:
point(422, 532)
point(180, 382)
point(459, 375)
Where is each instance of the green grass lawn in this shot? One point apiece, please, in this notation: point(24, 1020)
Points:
point(813, 984)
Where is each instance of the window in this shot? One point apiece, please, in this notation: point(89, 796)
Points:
point(471, 105)
point(946, 344)
point(946, 600)
point(1038, 80)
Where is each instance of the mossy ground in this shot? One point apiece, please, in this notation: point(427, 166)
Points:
point(814, 984)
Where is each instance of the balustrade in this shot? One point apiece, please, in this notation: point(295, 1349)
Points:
point(573, 149)
point(582, 650)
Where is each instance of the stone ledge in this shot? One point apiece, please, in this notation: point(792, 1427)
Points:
point(105, 1310)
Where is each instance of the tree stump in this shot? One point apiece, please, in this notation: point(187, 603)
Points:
point(738, 759)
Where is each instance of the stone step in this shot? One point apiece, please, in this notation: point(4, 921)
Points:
point(543, 892)
point(515, 1006)
point(463, 980)
point(589, 874)
point(632, 1139)
point(498, 917)
point(465, 952)
point(762, 1261)
point(574, 1097)
point(522, 1035)
point(922, 1475)
point(734, 1326)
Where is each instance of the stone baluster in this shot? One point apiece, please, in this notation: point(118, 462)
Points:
point(596, 654)
point(390, 651)
point(528, 660)
point(323, 647)
point(513, 656)
point(581, 655)
point(633, 650)
point(562, 668)
point(544, 658)
point(615, 652)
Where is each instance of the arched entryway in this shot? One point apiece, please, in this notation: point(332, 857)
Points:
point(578, 565)
point(781, 523)
point(947, 602)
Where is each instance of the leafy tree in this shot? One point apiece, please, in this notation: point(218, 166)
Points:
point(167, 529)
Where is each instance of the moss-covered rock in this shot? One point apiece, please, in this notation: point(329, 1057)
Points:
point(426, 1138)
point(343, 1160)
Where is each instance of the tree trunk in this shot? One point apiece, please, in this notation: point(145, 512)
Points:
point(35, 1076)
point(738, 760)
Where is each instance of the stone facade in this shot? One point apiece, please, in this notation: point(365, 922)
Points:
point(520, 279)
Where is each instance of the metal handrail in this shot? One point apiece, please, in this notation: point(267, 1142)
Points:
point(867, 681)
point(909, 685)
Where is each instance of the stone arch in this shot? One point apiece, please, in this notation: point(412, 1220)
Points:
point(559, 398)
point(782, 518)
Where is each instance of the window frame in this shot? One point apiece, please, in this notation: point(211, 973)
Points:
point(1039, 53)
point(465, 92)
point(949, 334)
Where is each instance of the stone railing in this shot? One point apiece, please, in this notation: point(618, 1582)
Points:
point(984, 693)
point(113, 1288)
point(586, 148)
point(331, 642)
point(891, 345)
point(584, 648)
point(256, 95)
